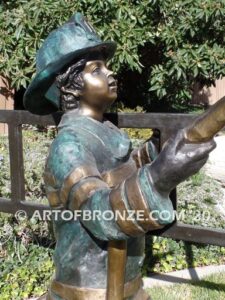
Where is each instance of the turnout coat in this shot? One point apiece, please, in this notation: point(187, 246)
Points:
point(92, 169)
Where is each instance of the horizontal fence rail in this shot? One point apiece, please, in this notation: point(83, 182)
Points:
point(167, 124)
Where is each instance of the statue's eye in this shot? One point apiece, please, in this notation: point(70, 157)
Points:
point(96, 71)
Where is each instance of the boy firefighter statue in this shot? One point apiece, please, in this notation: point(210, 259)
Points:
point(91, 167)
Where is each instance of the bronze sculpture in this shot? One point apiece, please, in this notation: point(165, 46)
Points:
point(92, 167)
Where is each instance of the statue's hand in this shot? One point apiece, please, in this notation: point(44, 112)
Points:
point(177, 161)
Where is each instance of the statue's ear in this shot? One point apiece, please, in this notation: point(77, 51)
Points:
point(75, 93)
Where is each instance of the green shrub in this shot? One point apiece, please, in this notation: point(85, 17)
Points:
point(4, 167)
point(199, 197)
point(26, 271)
point(160, 56)
point(26, 266)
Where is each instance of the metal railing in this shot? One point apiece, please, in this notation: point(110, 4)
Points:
point(167, 124)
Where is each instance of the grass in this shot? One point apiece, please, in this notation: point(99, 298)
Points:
point(209, 288)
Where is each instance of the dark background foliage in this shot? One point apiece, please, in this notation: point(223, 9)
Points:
point(164, 46)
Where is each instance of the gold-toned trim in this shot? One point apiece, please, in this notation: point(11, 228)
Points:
point(126, 224)
point(74, 177)
point(117, 258)
point(116, 176)
point(141, 156)
point(49, 179)
point(204, 128)
point(53, 199)
point(69, 292)
point(84, 190)
point(137, 202)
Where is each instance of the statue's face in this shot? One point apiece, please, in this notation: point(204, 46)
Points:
point(99, 86)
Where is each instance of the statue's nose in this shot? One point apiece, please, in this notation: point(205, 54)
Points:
point(110, 73)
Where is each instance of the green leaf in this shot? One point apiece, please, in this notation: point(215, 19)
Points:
point(18, 31)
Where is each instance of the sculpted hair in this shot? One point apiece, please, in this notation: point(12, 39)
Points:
point(69, 83)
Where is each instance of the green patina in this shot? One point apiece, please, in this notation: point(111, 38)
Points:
point(161, 205)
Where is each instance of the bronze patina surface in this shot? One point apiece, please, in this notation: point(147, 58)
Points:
point(208, 124)
point(92, 167)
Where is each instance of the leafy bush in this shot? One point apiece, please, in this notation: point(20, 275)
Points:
point(26, 265)
point(34, 161)
point(199, 196)
point(20, 279)
point(164, 46)
point(4, 166)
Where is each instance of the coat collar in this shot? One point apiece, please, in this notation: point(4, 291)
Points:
point(115, 140)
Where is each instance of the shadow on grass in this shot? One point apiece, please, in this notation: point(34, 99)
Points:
point(201, 283)
point(190, 260)
point(151, 260)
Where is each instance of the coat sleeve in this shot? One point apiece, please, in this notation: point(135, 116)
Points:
point(109, 213)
